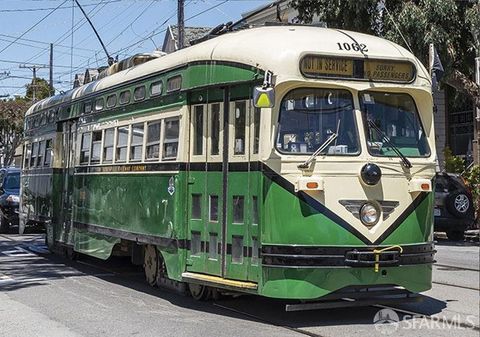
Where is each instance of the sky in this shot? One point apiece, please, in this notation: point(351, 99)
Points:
point(127, 27)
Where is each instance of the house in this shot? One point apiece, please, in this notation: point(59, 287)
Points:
point(170, 42)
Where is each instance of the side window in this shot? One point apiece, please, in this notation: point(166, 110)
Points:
point(48, 153)
point(139, 93)
point(99, 103)
point(41, 152)
point(239, 130)
point(124, 97)
point(87, 107)
point(122, 142)
point(136, 146)
point(174, 83)
point(215, 129)
point(156, 88)
point(153, 140)
point(170, 139)
point(85, 148)
point(108, 146)
point(111, 101)
point(96, 147)
point(26, 156)
point(197, 130)
point(33, 158)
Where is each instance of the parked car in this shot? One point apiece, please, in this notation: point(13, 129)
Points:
point(9, 197)
point(454, 211)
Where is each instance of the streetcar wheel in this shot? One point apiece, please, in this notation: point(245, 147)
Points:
point(199, 292)
point(150, 264)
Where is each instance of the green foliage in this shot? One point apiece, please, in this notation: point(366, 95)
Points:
point(453, 164)
point(452, 26)
point(472, 178)
point(41, 87)
point(12, 114)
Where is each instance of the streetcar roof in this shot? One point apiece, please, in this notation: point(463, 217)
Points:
point(276, 48)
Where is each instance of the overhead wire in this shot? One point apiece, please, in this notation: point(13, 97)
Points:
point(33, 27)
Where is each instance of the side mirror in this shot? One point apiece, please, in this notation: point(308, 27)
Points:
point(264, 97)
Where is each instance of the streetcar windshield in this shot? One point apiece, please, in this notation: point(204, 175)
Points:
point(309, 116)
point(397, 117)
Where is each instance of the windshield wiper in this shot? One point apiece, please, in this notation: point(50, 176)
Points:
point(322, 147)
point(395, 149)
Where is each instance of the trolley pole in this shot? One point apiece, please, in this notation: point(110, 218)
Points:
point(181, 24)
point(476, 119)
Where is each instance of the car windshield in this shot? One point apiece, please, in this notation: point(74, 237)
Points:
point(308, 117)
point(12, 181)
point(397, 116)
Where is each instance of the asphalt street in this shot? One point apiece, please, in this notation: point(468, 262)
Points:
point(42, 294)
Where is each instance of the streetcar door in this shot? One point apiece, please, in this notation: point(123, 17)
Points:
point(69, 133)
point(205, 189)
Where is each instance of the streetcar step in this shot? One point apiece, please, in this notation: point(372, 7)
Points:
point(216, 280)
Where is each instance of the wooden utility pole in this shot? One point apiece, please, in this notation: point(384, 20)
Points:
point(33, 68)
point(52, 90)
point(181, 24)
point(476, 117)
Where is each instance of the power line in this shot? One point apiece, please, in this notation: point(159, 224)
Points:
point(35, 25)
point(47, 8)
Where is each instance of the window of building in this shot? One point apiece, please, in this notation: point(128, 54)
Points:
point(156, 88)
point(125, 97)
point(136, 146)
point(153, 140)
point(139, 93)
point(85, 148)
point(198, 130)
point(99, 104)
point(122, 142)
point(96, 147)
point(48, 153)
point(108, 146)
point(170, 140)
point(111, 101)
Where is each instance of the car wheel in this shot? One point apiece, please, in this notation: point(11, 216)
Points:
point(458, 204)
point(455, 235)
point(4, 225)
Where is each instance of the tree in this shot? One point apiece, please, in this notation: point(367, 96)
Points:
point(40, 87)
point(12, 114)
point(452, 26)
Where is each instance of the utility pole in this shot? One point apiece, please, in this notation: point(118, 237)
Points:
point(181, 24)
point(476, 119)
point(33, 68)
point(52, 90)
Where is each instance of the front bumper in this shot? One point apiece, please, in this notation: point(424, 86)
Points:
point(365, 256)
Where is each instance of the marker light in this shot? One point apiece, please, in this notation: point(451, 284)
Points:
point(426, 187)
point(369, 214)
point(312, 184)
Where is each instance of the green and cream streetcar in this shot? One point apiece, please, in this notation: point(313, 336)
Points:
point(286, 161)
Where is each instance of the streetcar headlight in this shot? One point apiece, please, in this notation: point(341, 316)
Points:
point(369, 214)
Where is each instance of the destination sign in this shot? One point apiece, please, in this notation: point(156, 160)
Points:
point(380, 70)
point(326, 66)
point(316, 66)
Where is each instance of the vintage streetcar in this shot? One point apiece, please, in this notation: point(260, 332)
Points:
point(291, 162)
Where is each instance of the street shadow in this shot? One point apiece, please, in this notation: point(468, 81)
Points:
point(33, 271)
